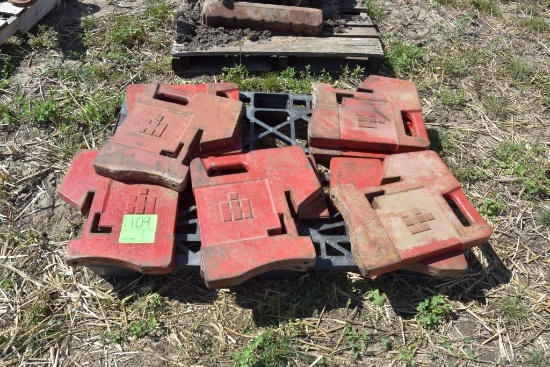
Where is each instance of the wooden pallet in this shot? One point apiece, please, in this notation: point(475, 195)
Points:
point(13, 18)
point(358, 45)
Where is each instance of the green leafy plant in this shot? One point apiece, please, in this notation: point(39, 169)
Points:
point(287, 80)
point(545, 217)
point(407, 356)
point(46, 38)
point(141, 328)
point(537, 24)
point(6, 282)
point(492, 208)
point(272, 347)
point(486, 6)
point(433, 311)
point(7, 68)
point(402, 56)
point(513, 308)
point(357, 341)
point(158, 12)
point(519, 69)
point(452, 98)
point(496, 107)
point(126, 31)
point(44, 111)
point(373, 11)
point(387, 343)
point(467, 173)
point(113, 337)
point(375, 297)
point(537, 358)
point(528, 164)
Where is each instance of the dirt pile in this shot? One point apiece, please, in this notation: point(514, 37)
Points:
point(196, 36)
point(191, 33)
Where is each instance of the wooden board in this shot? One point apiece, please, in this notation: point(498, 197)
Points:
point(13, 18)
point(360, 40)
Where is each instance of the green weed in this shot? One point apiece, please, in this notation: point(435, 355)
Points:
point(518, 69)
point(447, 2)
point(407, 356)
point(373, 11)
point(452, 98)
point(545, 218)
point(357, 341)
point(386, 343)
point(366, 289)
point(513, 308)
point(537, 358)
point(273, 347)
point(287, 80)
point(486, 6)
point(464, 21)
point(460, 64)
point(43, 111)
point(89, 23)
point(495, 106)
point(46, 38)
point(141, 328)
point(401, 56)
point(491, 208)
point(6, 283)
point(113, 337)
point(7, 68)
point(537, 24)
point(375, 297)
point(126, 31)
point(467, 173)
point(433, 311)
point(158, 12)
point(528, 164)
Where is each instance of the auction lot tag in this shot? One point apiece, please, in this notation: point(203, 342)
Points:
point(138, 228)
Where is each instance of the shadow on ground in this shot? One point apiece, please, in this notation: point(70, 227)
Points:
point(65, 20)
point(302, 295)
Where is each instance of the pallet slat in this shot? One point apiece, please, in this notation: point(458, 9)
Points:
point(295, 46)
point(357, 32)
point(25, 19)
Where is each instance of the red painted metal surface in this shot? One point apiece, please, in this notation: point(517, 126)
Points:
point(165, 128)
point(246, 206)
point(398, 210)
point(384, 115)
point(136, 91)
point(447, 265)
point(106, 202)
point(261, 17)
point(323, 156)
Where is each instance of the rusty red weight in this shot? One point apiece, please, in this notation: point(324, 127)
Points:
point(449, 265)
point(383, 115)
point(403, 209)
point(136, 91)
point(227, 90)
point(323, 156)
point(148, 213)
point(165, 128)
point(246, 206)
point(261, 17)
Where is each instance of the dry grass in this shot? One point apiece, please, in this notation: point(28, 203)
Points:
point(56, 97)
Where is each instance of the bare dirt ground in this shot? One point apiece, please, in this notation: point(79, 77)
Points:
point(483, 74)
